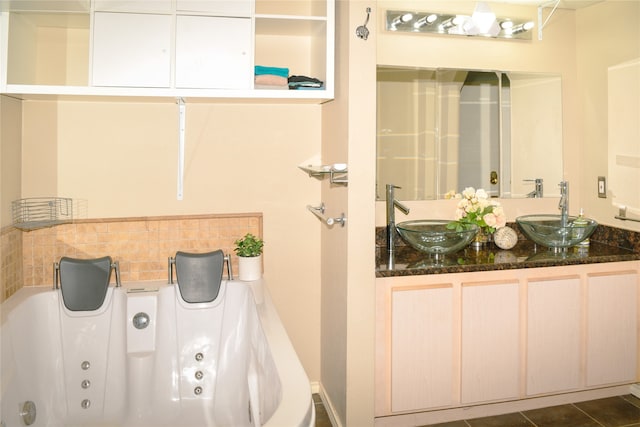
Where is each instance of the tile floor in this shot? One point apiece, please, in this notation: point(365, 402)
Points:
point(322, 418)
point(620, 411)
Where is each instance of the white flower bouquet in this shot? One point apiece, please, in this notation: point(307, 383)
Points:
point(475, 207)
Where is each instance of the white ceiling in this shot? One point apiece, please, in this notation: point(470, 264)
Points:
point(563, 4)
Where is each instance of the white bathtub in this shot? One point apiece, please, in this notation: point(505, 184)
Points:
point(225, 363)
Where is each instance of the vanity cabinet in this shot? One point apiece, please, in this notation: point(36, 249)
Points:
point(423, 345)
point(447, 341)
point(612, 327)
point(490, 357)
point(554, 334)
point(165, 48)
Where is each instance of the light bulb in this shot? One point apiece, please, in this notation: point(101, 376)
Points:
point(425, 20)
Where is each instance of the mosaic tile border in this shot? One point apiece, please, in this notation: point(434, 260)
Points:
point(141, 245)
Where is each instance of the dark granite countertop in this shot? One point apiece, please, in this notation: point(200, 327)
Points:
point(608, 244)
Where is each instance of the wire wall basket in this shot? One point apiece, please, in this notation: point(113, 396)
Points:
point(41, 212)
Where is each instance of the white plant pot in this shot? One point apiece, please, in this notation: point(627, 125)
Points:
point(250, 268)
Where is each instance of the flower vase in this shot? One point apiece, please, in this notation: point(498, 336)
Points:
point(481, 239)
point(250, 268)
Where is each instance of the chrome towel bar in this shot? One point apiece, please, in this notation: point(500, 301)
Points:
point(622, 215)
point(319, 212)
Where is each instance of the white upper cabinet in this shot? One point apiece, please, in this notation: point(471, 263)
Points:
point(218, 7)
point(165, 48)
point(133, 5)
point(131, 49)
point(46, 5)
point(213, 52)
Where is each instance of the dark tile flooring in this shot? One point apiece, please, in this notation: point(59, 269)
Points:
point(322, 418)
point(620, 411)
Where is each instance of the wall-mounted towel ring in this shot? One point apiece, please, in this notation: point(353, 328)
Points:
point(362, 31)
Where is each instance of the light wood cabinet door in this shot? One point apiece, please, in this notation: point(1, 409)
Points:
point(131, 50)
point(612, 328)
point(213, 52)
point(554, 335)
point(490, 342)
point(422, 351)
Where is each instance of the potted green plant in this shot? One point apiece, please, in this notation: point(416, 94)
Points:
point(249, 251)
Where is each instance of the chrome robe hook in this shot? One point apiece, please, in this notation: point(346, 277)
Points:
point(362, 31)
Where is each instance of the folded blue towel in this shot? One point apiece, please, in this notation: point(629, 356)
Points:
point(276, 71)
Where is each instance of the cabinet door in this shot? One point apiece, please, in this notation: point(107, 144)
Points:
point(612, 329)
point(132, 50)
point(490, 342)
point(218, 7)
point(133, 5)
point(422, 348)
point(554, 335)
point(213, 52)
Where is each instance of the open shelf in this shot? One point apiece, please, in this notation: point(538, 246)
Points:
point(47, 53)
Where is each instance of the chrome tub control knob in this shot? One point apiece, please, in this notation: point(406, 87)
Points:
point(141, 320)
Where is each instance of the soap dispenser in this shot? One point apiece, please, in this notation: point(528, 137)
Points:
point(581, 222)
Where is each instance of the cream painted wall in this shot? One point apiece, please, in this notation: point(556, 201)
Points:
point(334, 259)
point(361, 344)
point(600, 47)
point(121, 157)
point(10, 156)
point(555, 53)
point(348, 255)
point(221, 137)
point(575, 45)
point(40, 150)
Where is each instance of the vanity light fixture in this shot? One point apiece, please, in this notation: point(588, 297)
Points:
point(520, 28)
point(403, 18)
point(425, 20)
point(483, 24)
point(506, 25)
point(449, 23)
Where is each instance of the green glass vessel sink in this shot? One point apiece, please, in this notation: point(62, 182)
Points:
point(547, 230)
point(433, 237)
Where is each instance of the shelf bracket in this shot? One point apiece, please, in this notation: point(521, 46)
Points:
point(541, 24)
point(181, 129)
point(338, 173)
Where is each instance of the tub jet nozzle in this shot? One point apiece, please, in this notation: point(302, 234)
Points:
point(28, 412)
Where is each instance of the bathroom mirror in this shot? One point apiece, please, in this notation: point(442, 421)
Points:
point(441, 130)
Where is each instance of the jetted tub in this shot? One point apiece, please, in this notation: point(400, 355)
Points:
point(148, 358)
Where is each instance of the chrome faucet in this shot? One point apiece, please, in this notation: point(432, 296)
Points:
point(392, 204)
point(563, 205)
point(537, 193)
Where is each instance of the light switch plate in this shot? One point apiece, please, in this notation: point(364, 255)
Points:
point(602, 187)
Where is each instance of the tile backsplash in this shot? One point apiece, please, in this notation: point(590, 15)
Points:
point(140, 245)
point(10, 261)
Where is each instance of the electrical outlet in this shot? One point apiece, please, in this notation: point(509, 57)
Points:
point(602, 187)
